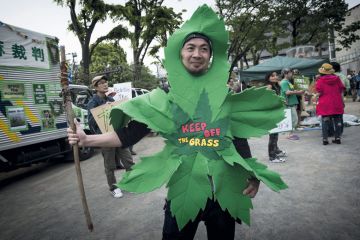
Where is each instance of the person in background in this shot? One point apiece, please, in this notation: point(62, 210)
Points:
point(232, 83)
point(352, 80)
point(112, 155)
point(275, 154)
point(290, 95)
point(346, 83)
point(330, 105)
point(299, 107)
point(357, 86)
point(337, 68)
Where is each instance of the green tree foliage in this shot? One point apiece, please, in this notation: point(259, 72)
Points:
point(109, 58)
point(311, 21)
point(348, 34)
point(259, 25)
point(83, 22)
point(148, 80)
point(247, 21)
point(150, 21)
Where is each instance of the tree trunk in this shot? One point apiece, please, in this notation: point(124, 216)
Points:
point(86, 64)
point(137, 68)
point(137, 74)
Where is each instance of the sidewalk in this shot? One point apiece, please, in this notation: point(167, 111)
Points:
point(322, 202)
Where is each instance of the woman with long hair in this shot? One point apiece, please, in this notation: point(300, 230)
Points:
point(275, 154)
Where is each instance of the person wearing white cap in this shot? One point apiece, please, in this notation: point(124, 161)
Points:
point(112, 155)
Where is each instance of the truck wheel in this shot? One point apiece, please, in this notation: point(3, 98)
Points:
point(85, 153)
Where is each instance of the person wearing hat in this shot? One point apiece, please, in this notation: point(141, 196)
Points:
point(290, 95)
point(330, 104)
point(195, 55)
point(195, 81)
point(113, 156)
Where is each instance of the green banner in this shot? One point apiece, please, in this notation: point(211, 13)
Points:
point(13, 90)
point(301, 83)
point(39, 93)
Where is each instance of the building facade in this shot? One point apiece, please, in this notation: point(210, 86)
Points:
point(350, 58)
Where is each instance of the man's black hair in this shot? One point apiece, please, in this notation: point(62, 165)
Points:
point(336, 66)
point(198, 35)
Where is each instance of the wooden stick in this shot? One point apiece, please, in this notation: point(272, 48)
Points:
point(70, 119)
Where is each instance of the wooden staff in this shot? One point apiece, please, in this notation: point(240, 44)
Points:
point(70, 119)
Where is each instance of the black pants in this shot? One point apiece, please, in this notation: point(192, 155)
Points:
point(332, 127)
point(273, 146)
point(219, 224)
point(332, 123)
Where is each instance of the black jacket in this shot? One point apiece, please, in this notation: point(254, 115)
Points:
point(94, 102)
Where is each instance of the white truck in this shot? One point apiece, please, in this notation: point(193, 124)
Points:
point(32, 119)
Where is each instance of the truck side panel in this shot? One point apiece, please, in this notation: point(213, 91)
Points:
point(31, 109)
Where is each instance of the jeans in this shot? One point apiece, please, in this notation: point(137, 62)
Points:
point(219, 224)
point(294, 117)
point(111, 156)
point(331, 122)
point(273, 147)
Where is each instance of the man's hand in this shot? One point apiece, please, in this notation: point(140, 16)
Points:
point(300, 92)
point(78, 137)
point(252, 188)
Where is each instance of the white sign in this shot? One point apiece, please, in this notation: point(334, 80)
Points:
point(123, 91)
point(22, 48)
point(285, 125)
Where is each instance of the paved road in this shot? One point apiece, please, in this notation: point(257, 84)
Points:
point(323, 201)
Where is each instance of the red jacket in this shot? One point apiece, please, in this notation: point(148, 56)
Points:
point(330, 101)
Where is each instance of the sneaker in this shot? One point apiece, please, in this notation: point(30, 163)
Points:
point(277, 160)
point(119, 167)
point(281, 153)
point(133, 153)
point(117, 193)
point(337, 141)
point(293, 137)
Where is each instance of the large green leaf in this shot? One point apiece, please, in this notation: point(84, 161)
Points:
point(186, 88)
point(254, 112)
point(270, 178)
point(152, 172)
point(189, 189)
point(203, 114)
point(153, 109)
point(231, 156)
point(229, 184)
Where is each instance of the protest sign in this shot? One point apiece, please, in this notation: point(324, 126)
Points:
point(101, 115)
point(123, 91)
point(301, 83)
point(285, 125)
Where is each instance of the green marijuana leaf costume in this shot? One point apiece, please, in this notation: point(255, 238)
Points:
point(199, 119)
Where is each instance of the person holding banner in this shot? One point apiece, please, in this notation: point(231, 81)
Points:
point(290, 95)
point(112, 155)
point(275, 154)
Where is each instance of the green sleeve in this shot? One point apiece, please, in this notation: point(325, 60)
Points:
point(284, 88)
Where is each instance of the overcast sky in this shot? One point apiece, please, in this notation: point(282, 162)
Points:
point(45, 16)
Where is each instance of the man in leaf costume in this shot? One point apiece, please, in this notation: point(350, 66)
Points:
point(206, 162)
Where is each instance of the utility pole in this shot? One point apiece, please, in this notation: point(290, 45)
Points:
point(331, 39)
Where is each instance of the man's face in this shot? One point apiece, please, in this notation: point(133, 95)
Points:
point(195, 55)
point(289, 75)
point(102, 86)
